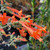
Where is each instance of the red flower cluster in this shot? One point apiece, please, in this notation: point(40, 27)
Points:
point(19, 13)
point(27, 25)
point(22, 32)
point(4, 18)
point(33, 32)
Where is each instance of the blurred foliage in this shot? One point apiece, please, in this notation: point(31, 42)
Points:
point(44, 16)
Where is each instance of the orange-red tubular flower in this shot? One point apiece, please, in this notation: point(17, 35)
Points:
point(15, 46)
point(15, 10)
point(13, 33)
point(13, 19)
point(1, 29)
point(41, 28)
point(30, 20)
point(22, 32)
point(29, 23)
point(12, 9)
point(20, 15)
point(17, 15)
point(2, 2)
point(4, 18)
point(6, 35)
